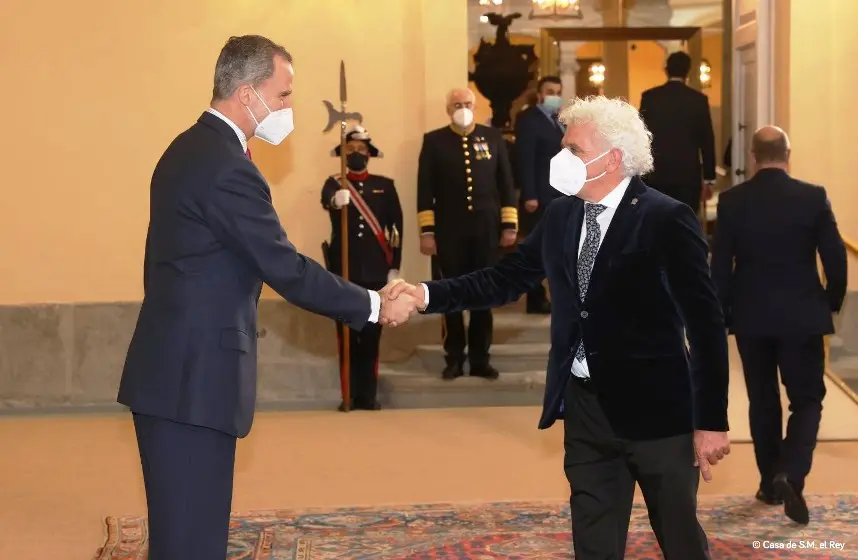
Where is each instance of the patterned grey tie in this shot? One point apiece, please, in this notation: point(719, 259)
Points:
point(588, 257)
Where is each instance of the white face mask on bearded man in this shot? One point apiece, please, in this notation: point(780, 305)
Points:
point(275, 126)
point(568, 172)
point(463, 117)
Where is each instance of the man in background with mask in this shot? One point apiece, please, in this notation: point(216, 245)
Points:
point(213, 239)
point(627, 268)
point(537, 137)
point(374, 253)
point(466, 209)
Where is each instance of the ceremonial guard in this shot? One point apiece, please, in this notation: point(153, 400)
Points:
point(374, 254)
point(466, 210)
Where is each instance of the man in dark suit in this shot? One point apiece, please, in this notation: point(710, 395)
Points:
point(628, 272)
point(374, 254)
point(681, 125)
point(213, 238)
point(770, 230)
point(538, 134)
point(466, 209)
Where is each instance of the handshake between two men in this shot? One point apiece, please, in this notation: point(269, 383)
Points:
point(399, 301)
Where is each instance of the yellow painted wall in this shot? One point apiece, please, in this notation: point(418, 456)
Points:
point(96, 89)
point(822, 116)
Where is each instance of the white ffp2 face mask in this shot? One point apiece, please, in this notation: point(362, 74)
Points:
point(463, 117)
point(276, 126)
point(568, 172)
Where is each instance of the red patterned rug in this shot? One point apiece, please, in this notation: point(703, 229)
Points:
point(738, 527)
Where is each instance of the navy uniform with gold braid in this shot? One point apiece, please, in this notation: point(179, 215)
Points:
point(465, 197)
point(375, 249)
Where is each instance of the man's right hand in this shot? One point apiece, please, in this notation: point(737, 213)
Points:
point(341, 198)
point(531, 205)
point(427, 245)
point(399, 288)
point(395, 312)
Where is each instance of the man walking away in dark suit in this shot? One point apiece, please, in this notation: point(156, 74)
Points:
point(628, 273)
point(213, 239)
point(538, 135)
point(681, 125)
point(770, 230)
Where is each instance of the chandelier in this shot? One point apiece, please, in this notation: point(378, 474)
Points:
point(705, 74)
point(556, 9)
point(597, 74)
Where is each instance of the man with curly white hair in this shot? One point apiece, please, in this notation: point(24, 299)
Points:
point(629, 277)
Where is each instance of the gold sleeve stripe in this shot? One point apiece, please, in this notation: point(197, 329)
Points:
point(509, 215)
point(426, 218)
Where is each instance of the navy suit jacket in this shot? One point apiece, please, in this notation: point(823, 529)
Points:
point(213, 239)
point(537, 140)
point(770, 230)
point(649, 288)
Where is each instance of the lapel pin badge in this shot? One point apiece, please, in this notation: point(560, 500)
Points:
point(634, 201)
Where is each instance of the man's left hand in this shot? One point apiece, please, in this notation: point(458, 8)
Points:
point(709, 448)
point(509, 237)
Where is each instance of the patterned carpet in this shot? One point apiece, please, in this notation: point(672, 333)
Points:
point(516, 530)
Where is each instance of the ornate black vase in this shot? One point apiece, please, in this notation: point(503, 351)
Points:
point(502, 70)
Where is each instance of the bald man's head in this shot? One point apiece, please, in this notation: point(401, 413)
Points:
point(459, 98)
point(770, 147)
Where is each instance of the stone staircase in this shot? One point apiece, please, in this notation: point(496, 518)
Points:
point(520, 353)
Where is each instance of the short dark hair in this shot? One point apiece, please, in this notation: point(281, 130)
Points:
point(548, 80)
point(248, 59)
point(678, 65)
point(770, 149)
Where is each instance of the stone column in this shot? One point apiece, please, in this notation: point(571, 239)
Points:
point(569, 67)
point(615, 55)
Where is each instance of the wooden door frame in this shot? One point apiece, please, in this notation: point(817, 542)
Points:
point(548, 36)
point(753, 28)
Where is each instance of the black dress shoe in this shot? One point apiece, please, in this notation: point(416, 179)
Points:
point(794, 505)
point(374, 405)
point(452, 371)
point(768, 498)
point(486, 371)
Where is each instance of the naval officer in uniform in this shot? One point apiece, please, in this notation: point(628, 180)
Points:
point(466, 210)
point(374, 253)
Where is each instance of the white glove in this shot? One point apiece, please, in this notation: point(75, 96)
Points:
point(392, 275)
point(342, 198)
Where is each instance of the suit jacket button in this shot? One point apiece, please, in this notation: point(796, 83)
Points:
point(584, 314)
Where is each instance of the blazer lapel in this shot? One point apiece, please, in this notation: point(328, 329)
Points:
point(572, 238)
point(616, 237)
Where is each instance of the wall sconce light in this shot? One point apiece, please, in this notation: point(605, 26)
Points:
point(491, 2)
point(597, 74)
point(705, 74)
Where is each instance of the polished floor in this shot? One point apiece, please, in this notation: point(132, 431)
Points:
point(61, 475)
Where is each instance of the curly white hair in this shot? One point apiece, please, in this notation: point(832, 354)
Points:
point(620, 127)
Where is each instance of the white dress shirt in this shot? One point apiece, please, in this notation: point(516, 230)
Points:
point(611, 202)
point(374, 298)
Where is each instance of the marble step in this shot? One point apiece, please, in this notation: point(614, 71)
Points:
point(516, 328)
point(399, 389)
point(507, 358)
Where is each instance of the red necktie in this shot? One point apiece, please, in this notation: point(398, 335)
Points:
point(247, 153)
